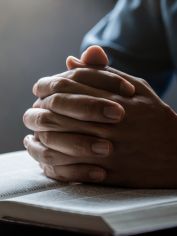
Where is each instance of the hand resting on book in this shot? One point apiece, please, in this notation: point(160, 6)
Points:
point(92, 126)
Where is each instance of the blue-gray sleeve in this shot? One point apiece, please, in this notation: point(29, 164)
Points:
point(135, 38)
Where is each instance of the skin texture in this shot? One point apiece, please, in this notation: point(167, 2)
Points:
point(102, 125)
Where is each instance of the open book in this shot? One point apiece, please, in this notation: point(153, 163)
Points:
point(26, 195)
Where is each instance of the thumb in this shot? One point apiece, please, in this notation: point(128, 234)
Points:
point(93, 56)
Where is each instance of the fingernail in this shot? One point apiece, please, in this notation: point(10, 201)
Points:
point(112, 112)
point(97, 175)
point(101, 147)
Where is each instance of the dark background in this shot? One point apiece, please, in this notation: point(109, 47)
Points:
point(36, 36)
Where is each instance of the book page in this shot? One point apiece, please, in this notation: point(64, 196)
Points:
point(90, 199)
point(20, 174)
point(22, 180)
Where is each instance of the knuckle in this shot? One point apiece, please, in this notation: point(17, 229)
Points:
point(59, 84)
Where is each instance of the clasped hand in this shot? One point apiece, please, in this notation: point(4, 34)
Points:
point(93, 123)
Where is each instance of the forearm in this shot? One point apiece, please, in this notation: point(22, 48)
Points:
point(133, 45)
